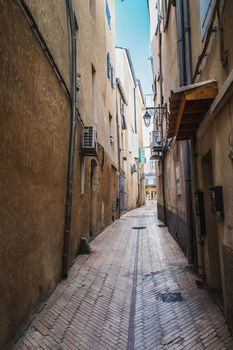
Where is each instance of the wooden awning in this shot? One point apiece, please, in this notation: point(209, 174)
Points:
point(188, 106)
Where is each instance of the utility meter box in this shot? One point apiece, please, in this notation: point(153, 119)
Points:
point(216, 201)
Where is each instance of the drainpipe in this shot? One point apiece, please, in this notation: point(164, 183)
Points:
point(180, 42)
point(184, 21)
point(187, 39)
point(195, 248)
point(73, 123)
point(119, 157)
point(184, 48)
point(161, 104)
point(135, 126)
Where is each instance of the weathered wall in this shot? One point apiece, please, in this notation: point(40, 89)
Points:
point(173, 177)
point(56, 27)
point(214, 139)
point(35, 123)
point(124, 72)
point(34, 141)
point(212, 142)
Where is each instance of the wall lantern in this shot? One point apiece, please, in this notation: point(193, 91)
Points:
point(157, 112)
point(147, 118)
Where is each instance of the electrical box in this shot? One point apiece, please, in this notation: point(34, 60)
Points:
point(200, 211)
point(216, 201)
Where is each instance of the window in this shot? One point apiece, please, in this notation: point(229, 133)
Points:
point(206, 10)
point(165, 12)
point(142, 157)
point(108, 66)
point(113, 78)
point(92, 8)
point(122, 107)
point(122, 111)
point(154, 86)
point(108, 15)
point(94, 104)
point(111, 137)
point(123, 146)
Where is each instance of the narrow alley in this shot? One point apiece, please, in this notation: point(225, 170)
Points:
point(134, 291)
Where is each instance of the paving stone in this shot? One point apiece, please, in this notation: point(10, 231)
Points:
point(94, 307)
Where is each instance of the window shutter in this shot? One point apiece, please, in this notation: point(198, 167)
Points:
point(206, 9)
point(108, 66)
point(142, 158)
point(108, 14)
point(136, 148)
point(113, 78)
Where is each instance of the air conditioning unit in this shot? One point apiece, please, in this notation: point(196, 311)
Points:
point(89, 140)
point(134, 168)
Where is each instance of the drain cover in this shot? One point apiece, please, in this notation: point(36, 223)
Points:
point(171, 297)
point(138, 227)
point(160, 225)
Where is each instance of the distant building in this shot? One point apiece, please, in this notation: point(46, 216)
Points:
point(130, 104)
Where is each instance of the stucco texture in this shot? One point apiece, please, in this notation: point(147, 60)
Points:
point(34, 141)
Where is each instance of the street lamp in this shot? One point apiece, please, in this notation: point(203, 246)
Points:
point(158, 144)
point(159, 112)
point(147, 118)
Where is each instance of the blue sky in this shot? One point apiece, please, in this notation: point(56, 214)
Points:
point(132, 32)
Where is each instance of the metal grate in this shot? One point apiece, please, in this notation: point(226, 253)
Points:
point(171, 297)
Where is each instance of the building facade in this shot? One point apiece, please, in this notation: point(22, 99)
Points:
point(54, 83)
point(193, 69)
point(130, 104)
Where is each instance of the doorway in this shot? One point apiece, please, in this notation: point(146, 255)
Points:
point(93, 199)
point(212, 243)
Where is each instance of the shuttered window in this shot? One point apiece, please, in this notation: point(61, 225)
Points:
point(206, 10)
point(142, 157)
point(108, 14)
point(108, 66)
point(165, 12)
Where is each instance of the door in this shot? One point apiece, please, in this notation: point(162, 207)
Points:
point(212, 241)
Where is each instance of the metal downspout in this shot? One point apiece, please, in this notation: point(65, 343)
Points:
point(118, 158)
point(73, 123)
point(161, 103)
point(180, 42)
point(135, 125)
point(195, 249)
point(187, 39)
point(183, 38)
point(186, 144)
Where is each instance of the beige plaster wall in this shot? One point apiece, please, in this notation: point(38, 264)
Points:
point(35, 122)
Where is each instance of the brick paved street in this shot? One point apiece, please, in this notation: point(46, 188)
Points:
point(113, 299)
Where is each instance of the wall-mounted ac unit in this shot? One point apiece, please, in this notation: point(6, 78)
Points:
point(134, 168)
point(89, 140)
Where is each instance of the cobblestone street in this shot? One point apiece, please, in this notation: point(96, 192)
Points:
point(116, 297)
